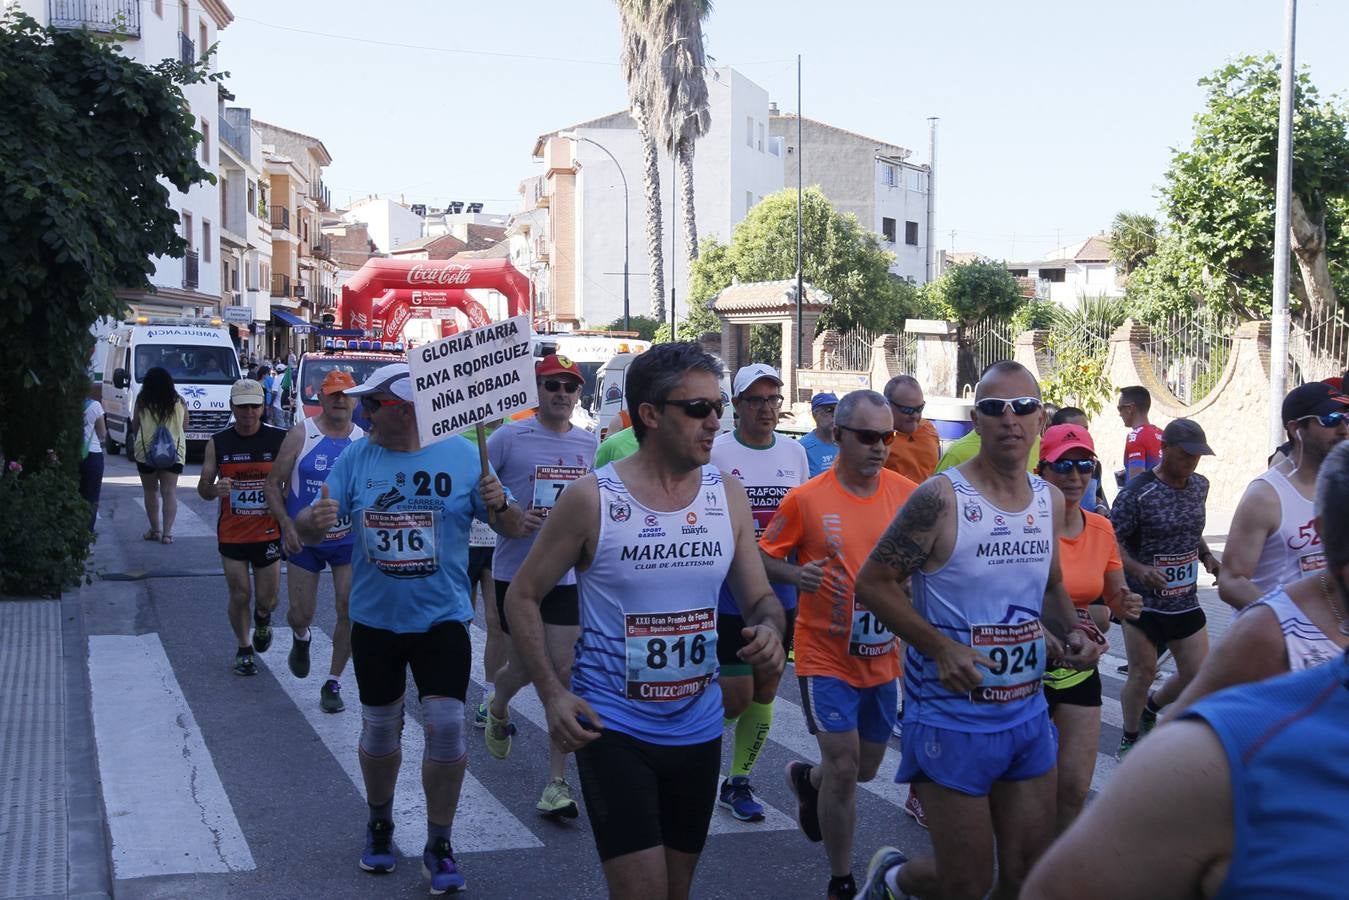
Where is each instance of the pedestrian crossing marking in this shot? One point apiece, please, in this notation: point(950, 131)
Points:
point(482, 822)
point(149, 743)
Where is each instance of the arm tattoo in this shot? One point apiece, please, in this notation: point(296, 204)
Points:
point(898, 548)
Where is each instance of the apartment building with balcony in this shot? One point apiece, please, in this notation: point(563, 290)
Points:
point(149, 31)
point(304, 272)
point(245, 228)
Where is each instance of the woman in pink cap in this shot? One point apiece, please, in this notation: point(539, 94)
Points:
point(1094, 577)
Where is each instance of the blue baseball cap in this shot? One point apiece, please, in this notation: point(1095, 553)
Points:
point(825, 399)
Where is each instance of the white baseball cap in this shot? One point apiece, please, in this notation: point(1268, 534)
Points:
point(752, 373)
point(391, 379)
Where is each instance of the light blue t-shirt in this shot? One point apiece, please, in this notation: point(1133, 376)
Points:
point(411, 513)
point(535, 464)
point(820, 453)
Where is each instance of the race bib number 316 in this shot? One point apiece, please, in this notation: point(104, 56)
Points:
point(671, 656)
point(401, 544)
point(1016, 661)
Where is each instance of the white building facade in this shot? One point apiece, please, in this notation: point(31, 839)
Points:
point(1066, 275)
point(390, 223)
point(245, 229)
point(148, 32)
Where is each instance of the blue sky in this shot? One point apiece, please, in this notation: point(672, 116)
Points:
point(1054, 115)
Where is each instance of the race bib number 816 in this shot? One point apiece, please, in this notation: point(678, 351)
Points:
point(671, 656)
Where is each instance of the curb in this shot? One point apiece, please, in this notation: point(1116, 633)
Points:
point(88, 849)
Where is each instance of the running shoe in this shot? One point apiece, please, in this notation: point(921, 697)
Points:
point(897, 729)
point(298, 660)
point(557, 800)
point(738, 797)
point(1125, 745)
point(914, 807)
point(378, 856)
point(330, 697)
point(807, 800)
point(883, 862)
point(439, 868)
point(842, 889)
point(262, 633)
point(497, 734)
point(1147, 721)
point(243, 664)
point(480, 716)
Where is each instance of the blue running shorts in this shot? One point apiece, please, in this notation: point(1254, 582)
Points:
point(972, 761)
point(312, 559)
point(833, 706)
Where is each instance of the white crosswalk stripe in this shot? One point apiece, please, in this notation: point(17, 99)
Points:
point(187, 523)
point(167, 810)
point(492, 826)
point(527, 705)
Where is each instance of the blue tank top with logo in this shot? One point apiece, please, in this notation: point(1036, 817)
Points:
point(646, 659)
point(317, 457)
point(987, 596)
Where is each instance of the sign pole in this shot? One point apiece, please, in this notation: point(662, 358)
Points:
point(481, 433)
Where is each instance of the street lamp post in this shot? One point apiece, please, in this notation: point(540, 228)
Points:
point(573, 136)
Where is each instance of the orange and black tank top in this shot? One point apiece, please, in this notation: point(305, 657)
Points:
point(245, 461)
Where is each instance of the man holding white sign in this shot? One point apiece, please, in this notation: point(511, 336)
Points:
point(411, 504)
point(537, 458)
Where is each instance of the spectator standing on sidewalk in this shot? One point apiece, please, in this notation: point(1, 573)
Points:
point(821, 448)
point(159, 448)
point(91, 458)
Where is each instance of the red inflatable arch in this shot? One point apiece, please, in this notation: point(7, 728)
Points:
point(389, 314)
point(390, 283)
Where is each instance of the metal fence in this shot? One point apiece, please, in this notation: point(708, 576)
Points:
point(992, 340)
point(854, 352)
point(1188, 350)
point(1318, 348)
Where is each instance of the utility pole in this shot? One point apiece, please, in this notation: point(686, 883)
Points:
point(1283, 195)
point(931, 198)
point(674, 240)
point(800, 278)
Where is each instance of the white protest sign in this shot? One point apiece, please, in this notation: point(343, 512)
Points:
point(472, 377)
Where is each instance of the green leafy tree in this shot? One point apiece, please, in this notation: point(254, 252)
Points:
point(1219, 200)
point(970, 293)
point(645, 326)
point(839, 257)
point(89, 143)
point(1133, 238)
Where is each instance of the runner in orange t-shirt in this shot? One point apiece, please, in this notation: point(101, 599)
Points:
point(1094, 578)
point(846, 660)
point(916, 447)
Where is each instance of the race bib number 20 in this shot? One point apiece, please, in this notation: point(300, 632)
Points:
point(670, 656)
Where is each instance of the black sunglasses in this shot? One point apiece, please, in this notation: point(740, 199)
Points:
point(372, 405)
point(697, 408)
point(553, 385)
point(909, 410)
point(996, 406)
point(1064, 466)
point(1329, 420)
point(867, 436)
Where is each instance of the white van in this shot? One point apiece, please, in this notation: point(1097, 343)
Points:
point(609, 393)
point(198, 354)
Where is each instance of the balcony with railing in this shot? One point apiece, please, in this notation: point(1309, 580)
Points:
point(281, 218)
point(187, 50)
point(281, 286)
point(191, 264)
point(327, 298)
point(121, 17)
point(298, 290)
point(234, 133)
point(322, 247)
point(321, 195)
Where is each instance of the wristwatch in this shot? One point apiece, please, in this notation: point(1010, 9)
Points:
point(505, 505)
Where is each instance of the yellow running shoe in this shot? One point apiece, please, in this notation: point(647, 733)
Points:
point(497, 734)
point(557, 800)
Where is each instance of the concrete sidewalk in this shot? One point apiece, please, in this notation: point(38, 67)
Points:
point(53, 842)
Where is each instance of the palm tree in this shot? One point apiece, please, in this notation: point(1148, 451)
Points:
point(1133, 238)
point(664, 64)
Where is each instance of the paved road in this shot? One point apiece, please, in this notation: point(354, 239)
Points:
point(219, 786)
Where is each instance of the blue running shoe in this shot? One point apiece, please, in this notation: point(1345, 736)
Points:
point(438, 866)
point(378, 856)
point(738, 797)
point(883, 862)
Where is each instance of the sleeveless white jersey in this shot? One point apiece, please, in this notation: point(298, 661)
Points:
point(646, 659)
point(987, 596)
point(1292, 550)
point(1306, 644)
point(315, 460)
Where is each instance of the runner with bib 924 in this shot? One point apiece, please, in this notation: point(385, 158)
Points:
point(651, 537)
point(988, 611)
point(411, 507)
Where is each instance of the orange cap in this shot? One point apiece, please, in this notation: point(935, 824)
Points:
point(336, 382)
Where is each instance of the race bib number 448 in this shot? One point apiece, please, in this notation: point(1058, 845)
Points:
point(1016, 661)
point(671, 656)
point(247, 498)
point(401, 544)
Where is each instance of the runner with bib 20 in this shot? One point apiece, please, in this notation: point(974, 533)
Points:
point(411, 507)
point(651, 537)
point(988, 612)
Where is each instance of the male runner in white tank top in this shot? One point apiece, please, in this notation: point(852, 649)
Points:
point(1273, 540)
point(651, 538)
point(988, 611)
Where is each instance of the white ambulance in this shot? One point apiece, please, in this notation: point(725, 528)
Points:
point(198, 354)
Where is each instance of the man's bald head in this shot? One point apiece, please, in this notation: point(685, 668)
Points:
point(1007, 379)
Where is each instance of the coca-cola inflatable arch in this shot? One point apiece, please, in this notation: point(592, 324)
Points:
point(386, 292)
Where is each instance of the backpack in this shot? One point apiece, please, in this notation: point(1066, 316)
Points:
point(162, 453)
